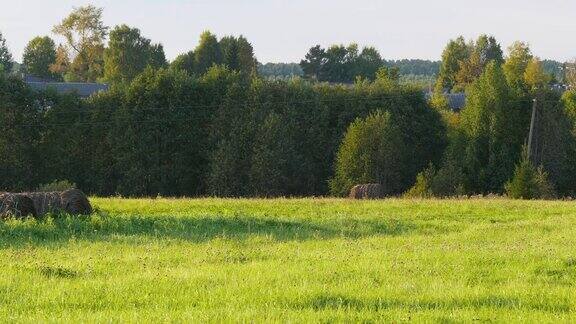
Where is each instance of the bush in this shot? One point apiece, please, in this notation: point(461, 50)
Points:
point(448, 180)
point(529, 182)
point(372, 152)
point(57, 185)
point(423, 186)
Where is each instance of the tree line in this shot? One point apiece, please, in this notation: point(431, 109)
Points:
point(92, 52)
point(175, 134)
point(209, 124)
point(489, 149)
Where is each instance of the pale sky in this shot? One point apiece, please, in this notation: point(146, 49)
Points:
point(283, 30)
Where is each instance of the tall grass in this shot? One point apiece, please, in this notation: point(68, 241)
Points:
point(302, 260)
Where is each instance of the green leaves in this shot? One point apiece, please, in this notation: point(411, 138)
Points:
point(5, 56)
point(39, 55)
point(128, 54)
point(372, 152)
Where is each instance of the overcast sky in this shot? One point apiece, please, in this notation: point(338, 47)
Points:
point(283, 30)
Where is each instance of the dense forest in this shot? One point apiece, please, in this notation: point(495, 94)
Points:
point(215, 121)
point(421, 73)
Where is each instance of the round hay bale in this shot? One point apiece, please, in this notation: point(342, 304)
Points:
point(75, 202)
point(366, 191)
point(46, 202)
point(16, 205)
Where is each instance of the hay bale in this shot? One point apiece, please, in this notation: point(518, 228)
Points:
point(72, 201)
point(75, 202)
point(16, 205)
point(46, 202)
point(366, 191)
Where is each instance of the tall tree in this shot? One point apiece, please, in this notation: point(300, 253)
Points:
point(485, 50)
point(368, 63)
point(455, 52)
point(272, 171)
point(128, 54)
point(341, 64)
point(313, 62)
point(372, 152)
point(229, 46)
point(184, 62)
point(495, 125)
point(246, 59)
point(5, 56)
point(489, 50)
point(85, 34)
point(207, 53)
point(61, 62)
point(534, 75)
point(337, 65)
point(157, 56)
point(519, 56)
point(39, 56)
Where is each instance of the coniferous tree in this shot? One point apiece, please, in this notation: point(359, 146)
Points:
point(5, 56)
point(229, 46)
point(246, 58)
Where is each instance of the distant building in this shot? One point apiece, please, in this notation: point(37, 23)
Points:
point(456, 101)
point(83, 90)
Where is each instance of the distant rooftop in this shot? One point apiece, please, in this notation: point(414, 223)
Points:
point(456, 101)
point(83, 90)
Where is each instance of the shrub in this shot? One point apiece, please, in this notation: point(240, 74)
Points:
point(372, 152)
point(423, 186)
point(529, 182)
point(57, 185)
point(448, 180)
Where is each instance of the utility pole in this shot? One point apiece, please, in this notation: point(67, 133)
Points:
point(531, 134)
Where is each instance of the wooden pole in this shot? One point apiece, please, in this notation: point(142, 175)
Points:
point(531, 134)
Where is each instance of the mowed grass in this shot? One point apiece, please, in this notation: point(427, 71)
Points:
point(301, 260)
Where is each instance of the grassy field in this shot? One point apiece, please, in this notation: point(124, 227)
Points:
point(309, 260)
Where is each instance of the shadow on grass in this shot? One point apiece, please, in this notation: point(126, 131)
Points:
point(323, 302)
point(99, 227)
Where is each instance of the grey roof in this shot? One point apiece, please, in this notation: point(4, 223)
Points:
point(456, 101)
point(84, 90)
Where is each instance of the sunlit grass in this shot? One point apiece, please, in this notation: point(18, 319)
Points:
point(304, 260)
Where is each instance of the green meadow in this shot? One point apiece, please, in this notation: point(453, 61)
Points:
point(293, 260)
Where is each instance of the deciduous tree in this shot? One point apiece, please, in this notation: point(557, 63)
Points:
point(85, 34)
point(455, 52)
point(372, 152)
point(519, 56)
point(61, 62)
point(39, 56)
point(128, 54)
point(207, 53)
